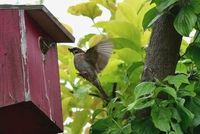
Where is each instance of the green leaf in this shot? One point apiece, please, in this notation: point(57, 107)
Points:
point(169, 90)
point(187, 62)
point(177, 80)
point(180, 101)
point(195, 4)
point(176, 115)
point(116, 109)
point(165, 103)
point(181, 67)
point(143, 126)
point(185, 21)
point(140, 103)
point(134, 66)
point(83, 40)
point(197, 88)
point(121, 29)
point(135, 75)
point(197, 36)
point(126, 43)
point(198, 23)
point(144, 88)
point(161, 118)
point(80, 120)
point(89, 9)
point(97, 112)
point(184, 93)
point(165, 4)
point(150, 17)
point(186, 115)
point(101, 126)
point(193, 106)
point(125, 12)
point(143, 103)
point(66, 107)
point(193, 53)
point(104, 126)
point(157, 2)
point(126, 129)
point(177, 128)
point(110, 74)
point(126, 53)
point(109, 4)
point(96, 39)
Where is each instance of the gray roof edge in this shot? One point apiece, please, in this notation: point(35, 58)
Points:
point(53, 18)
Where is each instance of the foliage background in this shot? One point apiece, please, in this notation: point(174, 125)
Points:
point(124, 68)
point(130, 27)
point(177, 114)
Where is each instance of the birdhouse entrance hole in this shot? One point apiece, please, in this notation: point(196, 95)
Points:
point(45, 44)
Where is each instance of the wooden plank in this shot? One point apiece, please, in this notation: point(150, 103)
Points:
point(11, 73)
point(44, 18)
point(53, 85)
point(25, 77)
point(43, 74)
point(51, 25)
point(25, 7)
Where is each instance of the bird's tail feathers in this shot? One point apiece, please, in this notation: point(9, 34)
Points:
point(97, 84)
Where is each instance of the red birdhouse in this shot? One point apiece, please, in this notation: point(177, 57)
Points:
point(30, 101)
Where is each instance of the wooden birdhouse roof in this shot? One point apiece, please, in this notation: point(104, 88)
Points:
point(47, 22)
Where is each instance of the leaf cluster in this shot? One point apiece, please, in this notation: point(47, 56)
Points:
point(177, 113)
point(186, 19)
point(120, 75)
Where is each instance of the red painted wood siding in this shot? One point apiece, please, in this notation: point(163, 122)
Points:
point(28, 76)
point(11, 75)
point(43, 74)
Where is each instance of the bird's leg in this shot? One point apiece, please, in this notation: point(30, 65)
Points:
point(103, 95)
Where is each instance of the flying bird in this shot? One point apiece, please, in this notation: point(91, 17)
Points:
point(93, 61)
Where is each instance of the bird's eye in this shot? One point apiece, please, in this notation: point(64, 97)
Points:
point(75, 51)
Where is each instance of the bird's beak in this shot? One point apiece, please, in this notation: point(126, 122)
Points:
point(70, 49)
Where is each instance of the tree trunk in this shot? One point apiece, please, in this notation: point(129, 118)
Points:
point(163, 50)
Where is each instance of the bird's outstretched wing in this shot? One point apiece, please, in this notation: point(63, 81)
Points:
point(99, 54)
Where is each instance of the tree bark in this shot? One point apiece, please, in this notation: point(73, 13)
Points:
point(163, 50)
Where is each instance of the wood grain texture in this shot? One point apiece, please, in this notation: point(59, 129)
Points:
point(45, 19)
point(26, 75)
point(11, 75)
point(43, 73)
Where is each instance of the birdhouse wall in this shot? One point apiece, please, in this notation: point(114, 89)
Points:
point(11, 73)
point(43, 73)
point(27, 75)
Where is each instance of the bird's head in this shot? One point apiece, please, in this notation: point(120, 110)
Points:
point(76, 50)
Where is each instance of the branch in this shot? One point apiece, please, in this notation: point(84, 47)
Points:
point(95, 95)
point(114, 89)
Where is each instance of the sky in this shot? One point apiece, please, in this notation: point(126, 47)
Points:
point(80, 25)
